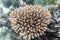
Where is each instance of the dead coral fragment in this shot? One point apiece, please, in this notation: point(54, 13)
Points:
point(30, 20)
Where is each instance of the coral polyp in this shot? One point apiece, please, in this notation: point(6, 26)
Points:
point(30, 20)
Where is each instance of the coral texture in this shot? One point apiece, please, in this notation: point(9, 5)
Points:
point(30, 20)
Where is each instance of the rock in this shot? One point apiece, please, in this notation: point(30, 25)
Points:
point(54, 38)
point(3, 22)
point(1, 11)
point(7, 34)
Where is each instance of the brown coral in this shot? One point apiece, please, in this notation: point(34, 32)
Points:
point(30, 20)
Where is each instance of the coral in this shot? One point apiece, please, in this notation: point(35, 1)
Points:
point(30, 20)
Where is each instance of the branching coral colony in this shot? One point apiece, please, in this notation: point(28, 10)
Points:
point(30, 20)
